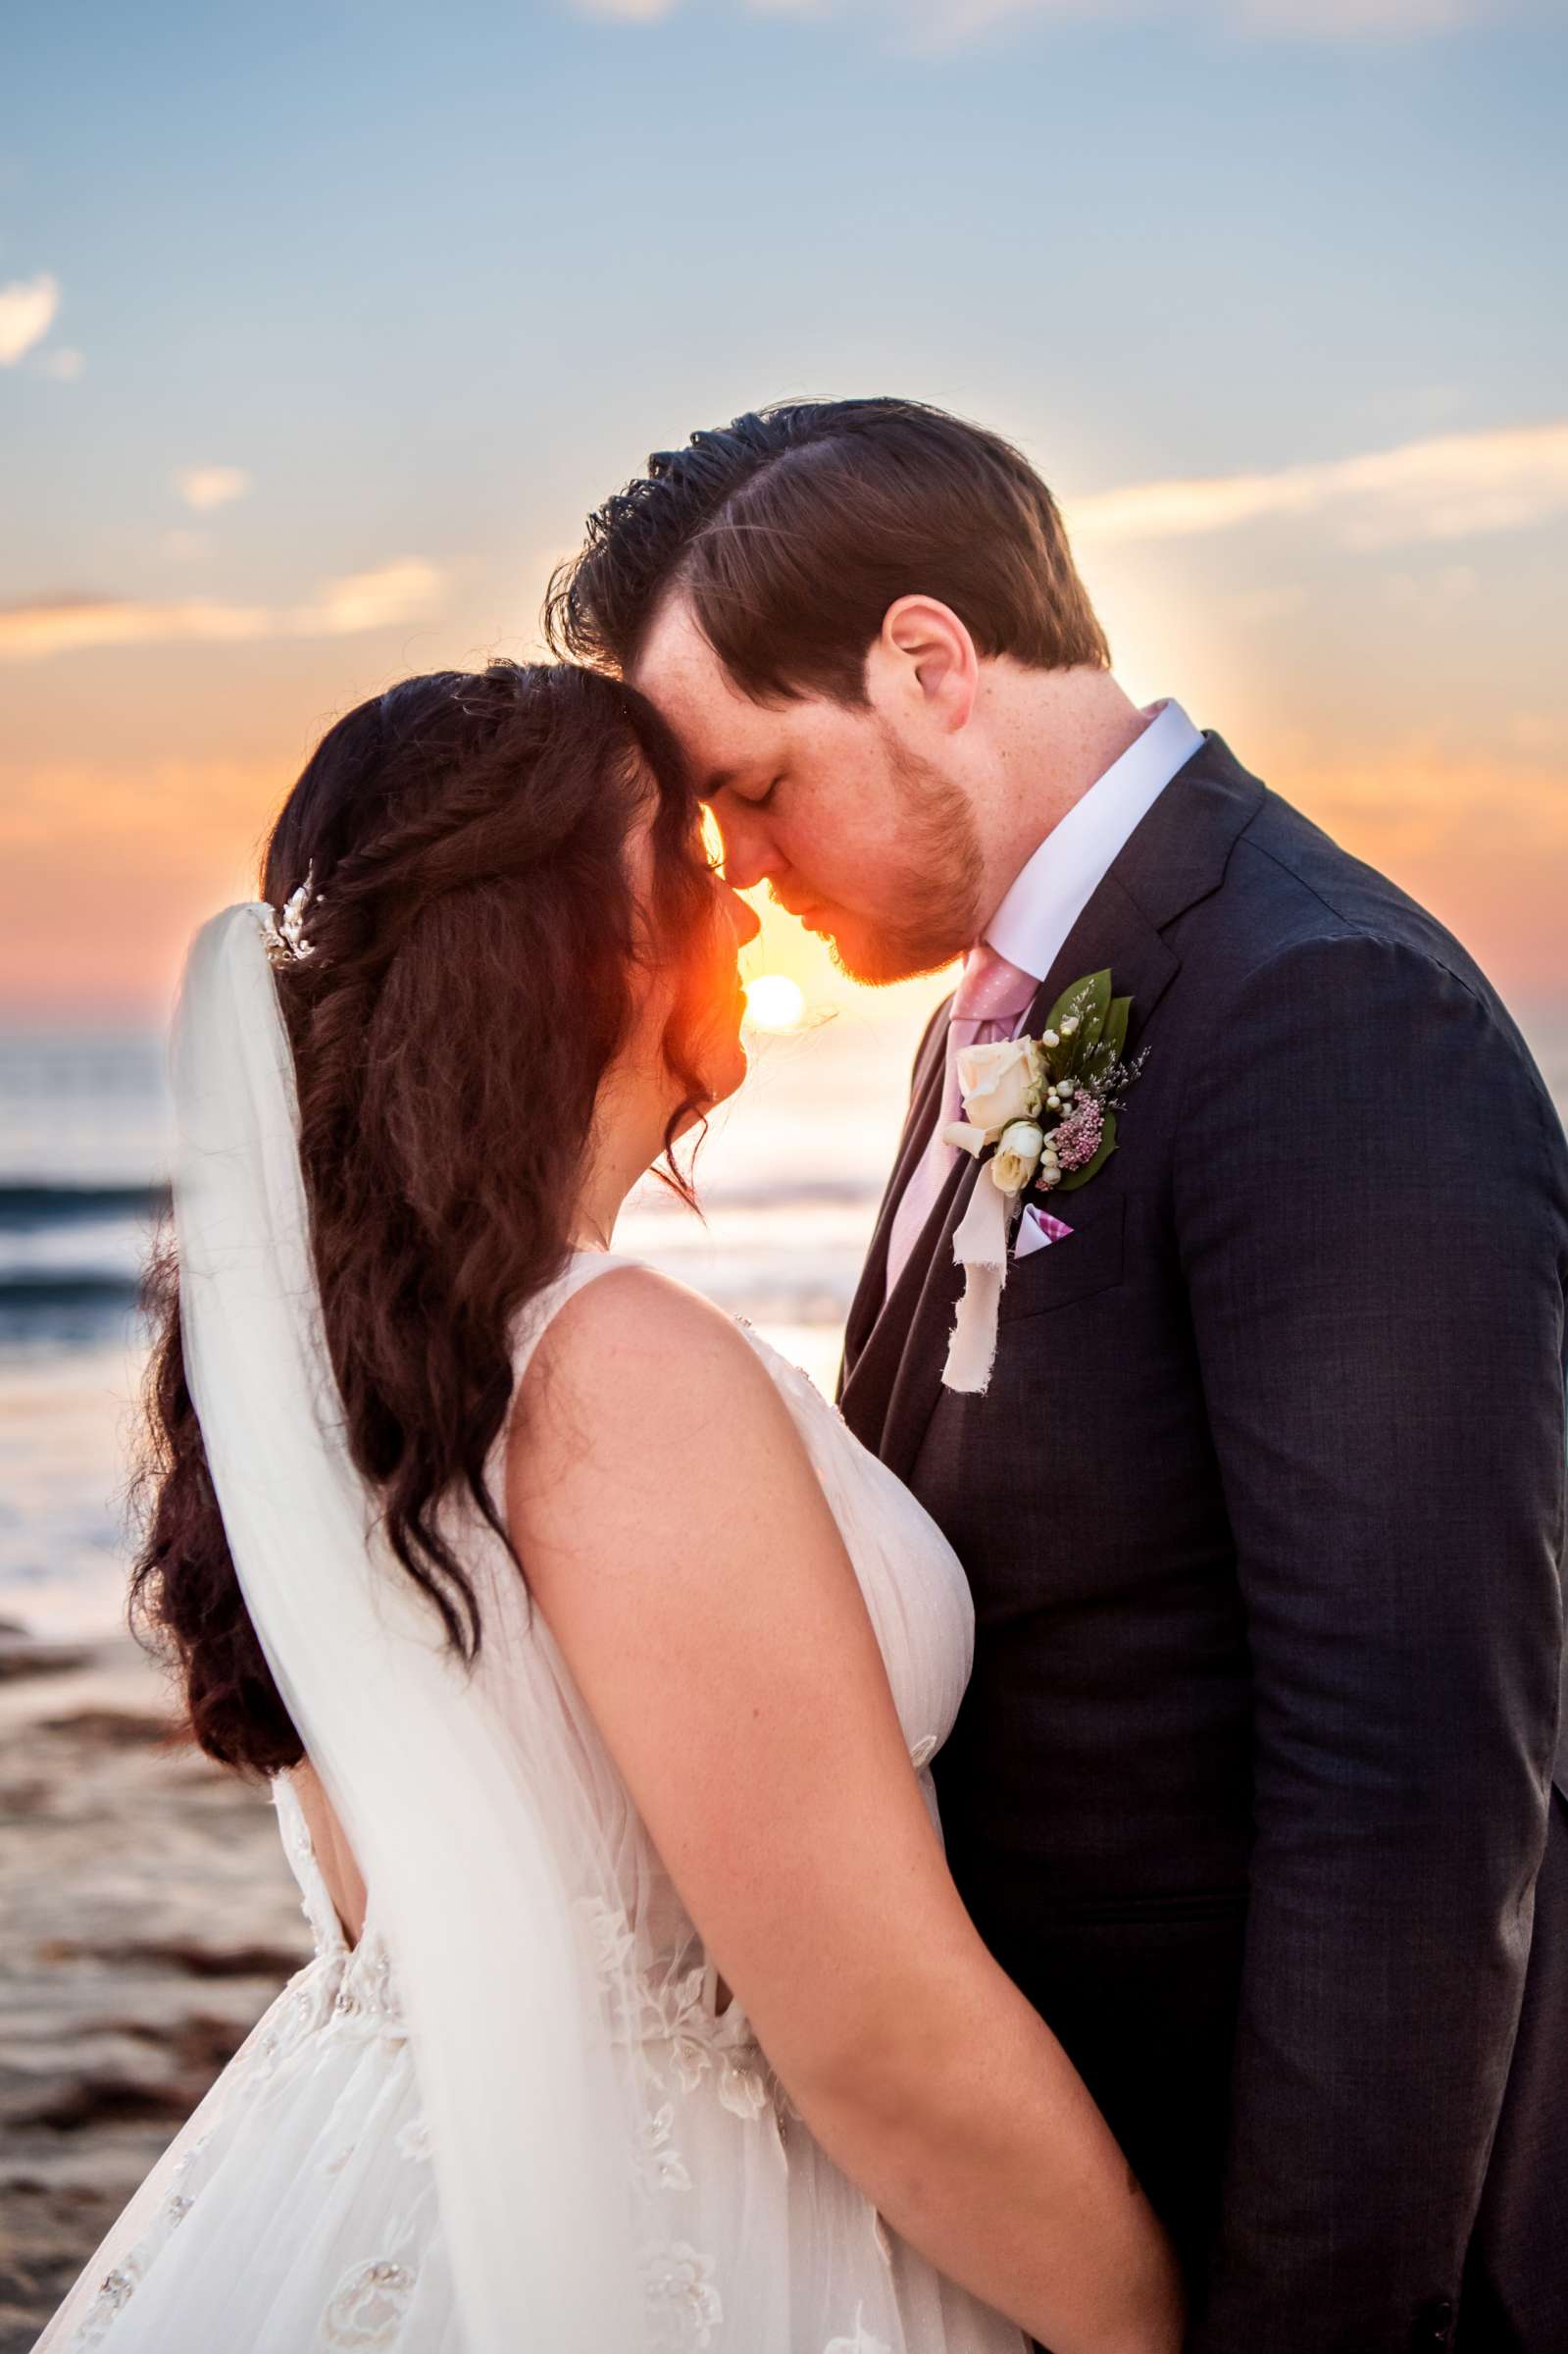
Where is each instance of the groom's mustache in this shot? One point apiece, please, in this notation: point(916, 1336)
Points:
point(798, 909)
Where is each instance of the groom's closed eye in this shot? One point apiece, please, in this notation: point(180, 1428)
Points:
point(730, 780)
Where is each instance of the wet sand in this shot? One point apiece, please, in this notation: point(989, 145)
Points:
point(147, 1918)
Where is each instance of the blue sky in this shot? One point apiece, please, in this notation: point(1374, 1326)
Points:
point(420, 286)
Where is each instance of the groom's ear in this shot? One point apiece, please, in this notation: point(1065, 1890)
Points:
point(924, 664)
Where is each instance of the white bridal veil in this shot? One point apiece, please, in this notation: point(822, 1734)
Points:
point(480, 1826)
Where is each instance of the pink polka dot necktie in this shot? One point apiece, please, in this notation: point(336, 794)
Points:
point(991, 1001)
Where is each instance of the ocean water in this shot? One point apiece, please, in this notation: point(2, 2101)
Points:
point(789, 1176)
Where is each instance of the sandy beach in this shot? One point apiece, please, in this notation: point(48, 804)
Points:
point(147, 1917)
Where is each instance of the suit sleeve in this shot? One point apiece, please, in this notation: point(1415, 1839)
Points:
point(1370, 1201)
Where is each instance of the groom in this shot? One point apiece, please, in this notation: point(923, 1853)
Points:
point(1256, 1791)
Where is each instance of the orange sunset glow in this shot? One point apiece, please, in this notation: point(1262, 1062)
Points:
point(138, 782)
point(1311, 450)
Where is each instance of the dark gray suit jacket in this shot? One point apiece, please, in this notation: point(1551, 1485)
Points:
point(1264, 1516)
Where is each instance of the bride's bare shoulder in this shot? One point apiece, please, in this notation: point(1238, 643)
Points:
point(632, 1315)
point(642, 1356)
point(648, 1435)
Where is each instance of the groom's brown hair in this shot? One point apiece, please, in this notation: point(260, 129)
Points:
point(793, 529)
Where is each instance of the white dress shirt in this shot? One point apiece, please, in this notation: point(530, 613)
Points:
point(1031, 926)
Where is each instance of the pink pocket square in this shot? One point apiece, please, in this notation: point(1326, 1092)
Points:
point(1037, 1229)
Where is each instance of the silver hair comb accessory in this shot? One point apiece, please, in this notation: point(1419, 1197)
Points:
point(285, 940)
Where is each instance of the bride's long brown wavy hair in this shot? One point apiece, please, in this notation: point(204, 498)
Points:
point(474, 937)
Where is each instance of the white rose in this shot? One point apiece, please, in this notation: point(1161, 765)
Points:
point(1017, 1155)
point(998, 1081)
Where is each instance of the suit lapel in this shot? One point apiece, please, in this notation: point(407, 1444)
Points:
point(925, 1105)
point(1175, 857)
point(1112, 931)
point(872, 1376)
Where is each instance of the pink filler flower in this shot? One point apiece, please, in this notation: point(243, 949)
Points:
point(1078, 1138)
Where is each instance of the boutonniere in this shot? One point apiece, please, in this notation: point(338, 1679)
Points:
point(1039, 1113)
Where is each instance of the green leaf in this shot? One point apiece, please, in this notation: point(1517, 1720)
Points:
point(1090, 1168)
point(1114, 1033)
point(1090, 1000)
point(1099, 1063)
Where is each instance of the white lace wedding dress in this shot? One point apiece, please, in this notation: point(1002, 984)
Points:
point(298, 2210)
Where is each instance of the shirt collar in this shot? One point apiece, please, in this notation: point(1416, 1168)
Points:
point(1034, 920)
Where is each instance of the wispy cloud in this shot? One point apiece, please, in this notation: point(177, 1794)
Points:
point(944, 22)
point(27, 308)
point(206, 487)
point(1301, 20)
point(1448, 487)
point(386, 598)
point(370, 600)
point(1358, 19)
point(64, 625)
point(947, 24)
point(64, 363)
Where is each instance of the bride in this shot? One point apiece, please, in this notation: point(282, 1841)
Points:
point(595, 1664)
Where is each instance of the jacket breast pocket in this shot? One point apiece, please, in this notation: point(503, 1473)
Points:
point(1083, 1263)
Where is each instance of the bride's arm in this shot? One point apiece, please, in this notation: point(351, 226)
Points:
point(684, 1558)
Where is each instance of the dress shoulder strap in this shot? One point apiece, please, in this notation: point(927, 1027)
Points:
point(581, 1268)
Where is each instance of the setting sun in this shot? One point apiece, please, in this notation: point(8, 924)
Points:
point(774, 1002)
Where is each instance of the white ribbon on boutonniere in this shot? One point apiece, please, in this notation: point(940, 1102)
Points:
point(1038, 1112)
